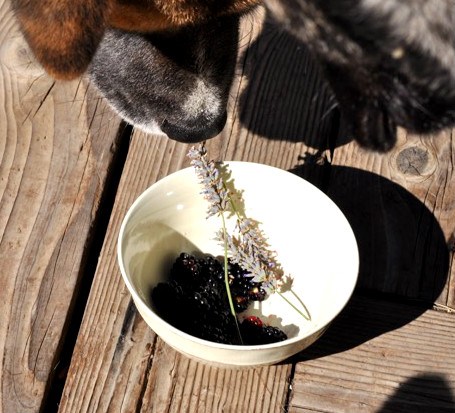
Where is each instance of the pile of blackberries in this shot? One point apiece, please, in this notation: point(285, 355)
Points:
point(194, 300)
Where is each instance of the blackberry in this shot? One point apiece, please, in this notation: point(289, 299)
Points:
point(255, 332)
point(240, 302)
point(272, 335)
point(239, 285)
point(257, 293)
point(186, 269)
point(206, 299)
point(212, 271)
point(169, 300)
point(243, 288)
point(194, 300)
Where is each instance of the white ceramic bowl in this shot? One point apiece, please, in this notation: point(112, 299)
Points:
point(313, 240)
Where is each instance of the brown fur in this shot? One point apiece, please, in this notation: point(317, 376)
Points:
point(183, 12)
point(64, 34)
point(158, 15)
point(142, 16)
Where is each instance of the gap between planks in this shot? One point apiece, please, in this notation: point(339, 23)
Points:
point(94, 244)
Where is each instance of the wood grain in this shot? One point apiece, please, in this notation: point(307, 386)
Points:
point(115, 347)
point(356, 367)
point(56, 143)
point(178, 384)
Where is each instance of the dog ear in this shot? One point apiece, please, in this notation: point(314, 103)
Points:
point(63, 34)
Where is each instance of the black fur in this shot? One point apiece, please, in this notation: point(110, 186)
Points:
point(389, 62)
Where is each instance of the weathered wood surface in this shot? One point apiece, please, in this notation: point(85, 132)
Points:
point(379, 357)
point(56, 144)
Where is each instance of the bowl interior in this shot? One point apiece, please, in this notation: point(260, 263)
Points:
point(314, 242)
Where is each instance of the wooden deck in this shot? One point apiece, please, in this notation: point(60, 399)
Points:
point(70, 337)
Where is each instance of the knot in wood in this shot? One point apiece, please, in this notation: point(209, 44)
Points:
point(16, 56)
point(412, 161)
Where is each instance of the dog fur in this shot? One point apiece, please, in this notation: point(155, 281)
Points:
point(64, 34)
point(167, 65)
point(389, 62)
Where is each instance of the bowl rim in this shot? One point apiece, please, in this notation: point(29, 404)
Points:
point(238, 347)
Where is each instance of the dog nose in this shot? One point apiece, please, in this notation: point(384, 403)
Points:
point(196, 131)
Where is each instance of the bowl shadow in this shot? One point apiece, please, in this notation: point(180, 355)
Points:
point(404, 257)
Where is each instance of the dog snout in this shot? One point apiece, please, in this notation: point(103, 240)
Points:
point(194, 131)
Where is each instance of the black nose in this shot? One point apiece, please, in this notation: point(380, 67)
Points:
point(196, 131)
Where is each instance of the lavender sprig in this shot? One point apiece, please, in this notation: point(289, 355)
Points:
point(249, 248)
point(214, 190)
point(251, 251)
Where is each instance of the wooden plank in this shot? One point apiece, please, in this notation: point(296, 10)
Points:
point(56, 145)
point(380, 357)
point(115, 347)
point(144, 374)
point(117, 364)
point(401, 207)
point(178, 384)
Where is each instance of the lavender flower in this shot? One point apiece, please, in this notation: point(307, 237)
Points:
point(208, 174)
point(249, 248)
